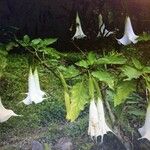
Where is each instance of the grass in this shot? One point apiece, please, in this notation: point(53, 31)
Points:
point(13, 87)
point(44, 122)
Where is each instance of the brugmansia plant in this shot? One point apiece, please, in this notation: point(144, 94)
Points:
point(88, 81)
point(136, 70)
point(87, 75)
point(92, 77)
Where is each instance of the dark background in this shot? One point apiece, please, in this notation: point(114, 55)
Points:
point(56, 18)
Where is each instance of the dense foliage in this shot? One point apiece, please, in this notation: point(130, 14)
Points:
point(121, 79)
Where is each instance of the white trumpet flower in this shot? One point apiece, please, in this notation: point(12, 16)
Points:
point(94, 124)
point(129, 35)
point(5, 114)
point(101, 114)
point(103, 32)
point(34, 92)
point(37, 83)
point(145, 130)
point(97, 123)
point(79, 33)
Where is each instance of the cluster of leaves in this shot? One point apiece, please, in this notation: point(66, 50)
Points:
point(92, 75)
point(82, 80)
point(115, 72)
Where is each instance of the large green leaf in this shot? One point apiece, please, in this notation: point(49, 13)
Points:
point(91, 58)
point(66, 92)
point(137, 63)
point(83, 63)
point(104, 76)
point(79, 97)
point(50, 51)
point(123, 90)
point(91, 87)
point(131, 72)
point(36, 42)
point(49, 41)
point(112, 59)
point(69, 72)
point(67, 100)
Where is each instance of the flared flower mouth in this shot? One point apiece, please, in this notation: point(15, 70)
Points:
point(129, 35)
point(97, 123)
point(5, 114)
point(79, 34)
point(35, 94)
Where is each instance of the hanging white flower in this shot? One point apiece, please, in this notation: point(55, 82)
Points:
point(145, 130)
point(101, 114)
point(34, 92)
point(79, 33)
point(5, 114)
point(103, 32)
point(37, 83)
point(129, 35)
point(94, 124)
point(97, 122)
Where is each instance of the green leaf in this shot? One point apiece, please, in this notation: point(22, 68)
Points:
point(83, 64)
point(66, 92)
point(131, 72)
point(26, 39)
point(35, 41)
point(91, 58)
point(124, 89)
point(136, 112)
point(69, 72)
point(91, 88)
point(112, 59)
point(63, 81)
point(50, 51)
point(105, 77)
point(146, 69)
point(137, 63)
point(49, 41)
point(79, 97)
point(67, 101)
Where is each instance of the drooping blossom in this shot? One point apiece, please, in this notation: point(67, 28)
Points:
point(103, 32)
point(129, 35)
point(145, 130)
point(97, 122)
point(101, 114)
point(94, 123)
point(5, 114)
point(79, 32)
point(37, 83)
point(35, 94)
